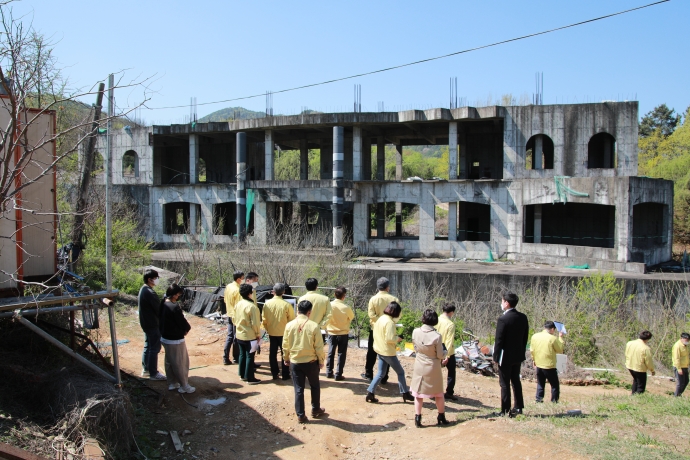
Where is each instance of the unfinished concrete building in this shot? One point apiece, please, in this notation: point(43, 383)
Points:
point(554, 184)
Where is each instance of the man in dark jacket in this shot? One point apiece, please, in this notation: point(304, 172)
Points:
point(149, 311)
point(512, 329)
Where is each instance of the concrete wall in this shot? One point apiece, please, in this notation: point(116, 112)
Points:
point(136, 140)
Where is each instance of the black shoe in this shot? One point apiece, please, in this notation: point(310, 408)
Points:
point(253, 382)
point(452, 397)
point(256, 366)
point(302, 419)
point(286, 378)
point(330, 376)
point(318, 412)
point(418, 421)
point(275, 377)
point(226, 362)
point(407, 397)
point(441, 420)
point(371, 398)
point(339, 378)
point(366, 377)
point(539, 401)
point(384, 380)
point(514, 413)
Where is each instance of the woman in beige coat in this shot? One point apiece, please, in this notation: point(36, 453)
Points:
point(427, 379)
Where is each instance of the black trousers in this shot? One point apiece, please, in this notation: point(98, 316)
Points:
point(639, 381)
point(681, 381)
point(231, 342)
point(507, 374)
point(275, 345)
point(246, 361)
point(552, 376)
point(450, 380)
point(300, 374)
point(372, 356)
point(336, 343)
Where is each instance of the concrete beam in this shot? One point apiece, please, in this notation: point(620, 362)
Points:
point(357, 153)
point(452, 221)
point(241, 197)
point(193, 158)
point(452, 151)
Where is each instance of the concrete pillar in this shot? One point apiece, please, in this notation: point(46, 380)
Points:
point(452, 152)
point(357, 153)
point(326, 160)
point(193, 158)
point(380, 158)
point(192, 218)
point(452, 221)
point(608, 153)
point(537, 223)
point(303, 160)
point(366, 158)
point(269, 147)
point(462, 147)
point(380, 220)
point(241, 196)
point(260, 222)
point(398, 176)
point(338, 185)
point(538, 152)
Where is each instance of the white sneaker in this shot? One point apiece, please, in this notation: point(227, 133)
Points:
point(186, 389)
point(145, 374)
point(158, 376)
point(173, 386)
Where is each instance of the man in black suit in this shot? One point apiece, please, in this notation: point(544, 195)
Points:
point(512, 329)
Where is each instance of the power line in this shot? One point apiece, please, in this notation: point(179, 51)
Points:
point(469, 50)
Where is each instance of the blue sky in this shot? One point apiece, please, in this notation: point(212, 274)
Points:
point(216, 50)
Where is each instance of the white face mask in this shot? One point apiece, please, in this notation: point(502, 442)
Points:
point(155, 281)
point(504, 307)
point(255, 284)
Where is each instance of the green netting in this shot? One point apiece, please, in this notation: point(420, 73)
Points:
point(578, 267)
point(250, 204)
point(562, 190)
point(490, 258)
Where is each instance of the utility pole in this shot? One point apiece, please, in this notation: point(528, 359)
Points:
point(108, 179)
point(78, 229)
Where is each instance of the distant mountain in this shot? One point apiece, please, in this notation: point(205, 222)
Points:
point(239, 113)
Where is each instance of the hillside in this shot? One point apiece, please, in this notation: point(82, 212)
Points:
point(239, 113)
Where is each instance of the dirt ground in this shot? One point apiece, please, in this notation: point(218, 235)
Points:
point(259, 421)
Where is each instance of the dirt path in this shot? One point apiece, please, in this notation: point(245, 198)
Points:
point(259, 421)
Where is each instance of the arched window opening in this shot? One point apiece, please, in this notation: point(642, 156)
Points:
point(130, 164)
point(601, 151)
point(539, 152)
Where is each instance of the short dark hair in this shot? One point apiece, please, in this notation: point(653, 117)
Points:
point(430, 317)
point(382, 283)
point(340, 292)
point(246, 291)
point(174, 289)
point(311, 284)
point(645, 335)
point(239, 274)
point(685, 335)
point(448, 307)
point(279, 288)
point(251, 276)
point(149, 274)
point(304, 307)
point(393, 309)
point(511, 298)
point(549, 325)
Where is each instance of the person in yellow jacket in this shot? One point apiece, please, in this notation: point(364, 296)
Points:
point(231, 297)
point(446, 327)
point(377, 304)
point(248, 324)
point(338, 329)
point(544, 347)
point(385, 340)
point(276, 314)
point(681, 360)
point(321, 306)
point(303, 348)
point(638, 360)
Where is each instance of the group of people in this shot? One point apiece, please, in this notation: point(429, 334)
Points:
point(299, 340)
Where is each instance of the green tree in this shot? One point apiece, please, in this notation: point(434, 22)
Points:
point(661, 118)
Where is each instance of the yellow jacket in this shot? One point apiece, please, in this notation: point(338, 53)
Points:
point(377, 304)
point(679, 355)
point(341, 316)
point(638, 356)
point(276, 314)
point(544, 347)
point(302, 341)
point(385, 337)
point(247, 320)
point(231, 297)
point(320, 308)
point(446, 327)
